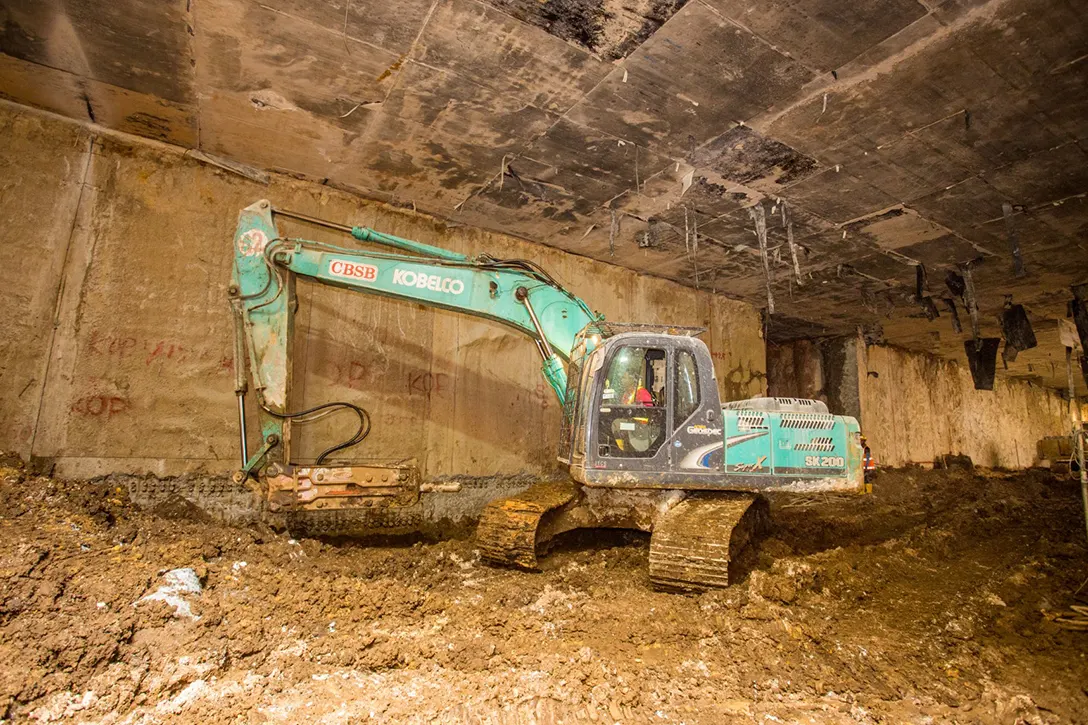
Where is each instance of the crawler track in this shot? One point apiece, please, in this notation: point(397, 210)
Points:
point(508, 530)
point(697, 544)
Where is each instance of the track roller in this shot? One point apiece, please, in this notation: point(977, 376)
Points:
point(697, 542)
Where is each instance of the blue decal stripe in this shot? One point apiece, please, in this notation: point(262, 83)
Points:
point(699, 458)
point(738, 439)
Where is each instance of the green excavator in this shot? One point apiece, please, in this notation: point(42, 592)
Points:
point(644, 435)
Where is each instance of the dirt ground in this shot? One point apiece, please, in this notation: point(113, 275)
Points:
point(930, 601)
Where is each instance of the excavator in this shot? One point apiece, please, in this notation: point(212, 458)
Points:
point(645, 438)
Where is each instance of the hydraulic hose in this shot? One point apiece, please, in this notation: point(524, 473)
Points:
point(360, 434)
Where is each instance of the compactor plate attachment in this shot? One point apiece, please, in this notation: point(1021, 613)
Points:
point(314, 488)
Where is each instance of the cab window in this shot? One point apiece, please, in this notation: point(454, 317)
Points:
point(633, 408)
point(585, 383)
point(687, 387)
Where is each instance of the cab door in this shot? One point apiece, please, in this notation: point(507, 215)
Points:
point(696, 444)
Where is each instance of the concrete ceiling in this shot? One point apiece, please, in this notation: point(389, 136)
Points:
point(890, 131)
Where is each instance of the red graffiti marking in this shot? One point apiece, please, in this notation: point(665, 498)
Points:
point(110, 345)
point(352, 374)
point(168, 350)
point(426, 383)
point(542, 394)
point(100, 406)
point(356, 372)
point(158, 351)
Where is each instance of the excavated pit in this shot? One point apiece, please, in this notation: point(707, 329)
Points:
point(932, 600)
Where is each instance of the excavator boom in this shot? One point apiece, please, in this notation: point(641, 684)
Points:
point(512, 292)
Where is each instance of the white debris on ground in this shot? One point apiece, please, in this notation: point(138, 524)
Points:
point(178, 583)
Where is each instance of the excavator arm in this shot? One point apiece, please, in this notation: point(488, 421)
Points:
point(512, 292)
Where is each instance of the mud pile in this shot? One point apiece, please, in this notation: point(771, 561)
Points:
point(930, 601)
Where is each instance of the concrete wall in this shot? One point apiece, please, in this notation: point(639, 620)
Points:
point(795, 370)
point(824, 370)
point(116, 352)
point(915, 407)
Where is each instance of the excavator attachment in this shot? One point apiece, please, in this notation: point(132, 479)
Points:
point(511, 529)
point(313, 488)
point(701, 542)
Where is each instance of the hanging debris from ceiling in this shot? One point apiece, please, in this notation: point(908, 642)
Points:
point(970, 300)
point(787, 221)
point(613, 230)
point(1078, 310)
point(982, 359)
point(649, 238)
point(691, 241)
point(963, 286)
point(955, 283)
point(951, 305)
point(1017, 330)
point(922, 294)
point(872, 333)
point(1014, 242)
point(869, 300)
point(759, 216)
point(981, 351)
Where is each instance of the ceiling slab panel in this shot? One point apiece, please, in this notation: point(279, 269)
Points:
point(919, 166)
point(823, 34)
point(839, 196)
point(431, 96)
point(1047, 176)
point(120, 43)
point(996, 133)
point(288, 66)
point(610, 29)
point(591, 164)
point(640, 133)
point(119, 108)
point(964, 208)
point(480, 42)
point(1025, 41)
point(392, 26)
point(744, 156)
point(944, 252)
point(692, 80)
point(264, 135)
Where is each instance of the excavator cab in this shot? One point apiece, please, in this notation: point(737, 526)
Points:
point(642, 409)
